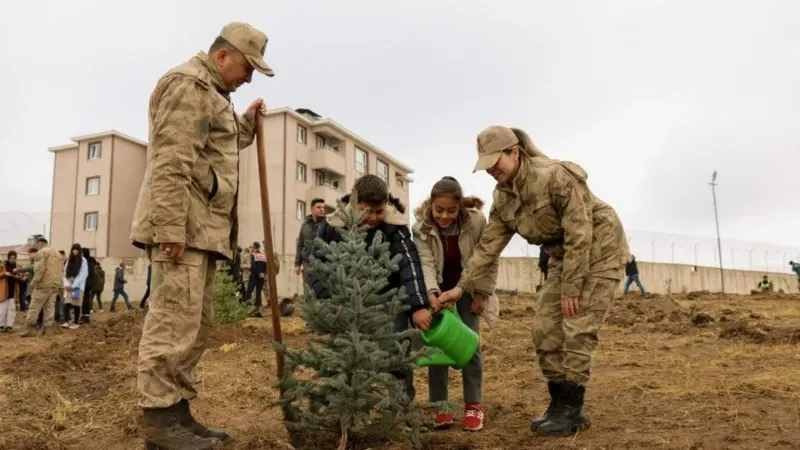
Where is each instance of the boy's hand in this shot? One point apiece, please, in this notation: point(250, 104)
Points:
point(422, 319)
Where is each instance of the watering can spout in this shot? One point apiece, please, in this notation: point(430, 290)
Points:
point(438, 359)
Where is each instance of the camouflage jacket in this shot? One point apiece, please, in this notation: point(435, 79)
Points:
point(431, 250)
point(191, 184)
point(47, 270)
point(550, 204)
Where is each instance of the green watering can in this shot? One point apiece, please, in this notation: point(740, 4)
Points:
point(456, 342)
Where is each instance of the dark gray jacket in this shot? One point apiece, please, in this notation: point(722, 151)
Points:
point(305, 241)
point(119, 280)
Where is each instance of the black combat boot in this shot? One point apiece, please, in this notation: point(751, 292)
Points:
point(163, 431)
point(567, 417)
point(555, 388)
point(197, 428)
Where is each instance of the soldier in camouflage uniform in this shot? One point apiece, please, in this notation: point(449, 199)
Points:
point(186, 220)
point(549, 203)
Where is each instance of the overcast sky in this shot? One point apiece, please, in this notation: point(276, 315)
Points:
point(650, 97)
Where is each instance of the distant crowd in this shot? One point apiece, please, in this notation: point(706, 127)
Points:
point(76, 282)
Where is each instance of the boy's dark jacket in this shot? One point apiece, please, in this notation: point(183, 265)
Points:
point(396, 232)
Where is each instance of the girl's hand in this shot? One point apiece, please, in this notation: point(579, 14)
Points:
point(478, 304)
point(434, 303)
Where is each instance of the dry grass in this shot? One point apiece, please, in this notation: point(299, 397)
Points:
point(662, 379)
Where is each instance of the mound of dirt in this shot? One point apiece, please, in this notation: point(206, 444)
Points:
point(760, 333)
point(120, 329)
point(628, 311)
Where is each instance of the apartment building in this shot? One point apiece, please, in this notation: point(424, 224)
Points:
point(96, 181)
point(308, 157)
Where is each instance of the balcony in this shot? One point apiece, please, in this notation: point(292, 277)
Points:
point(327, 130)
point(329, 160)
point(326, 192)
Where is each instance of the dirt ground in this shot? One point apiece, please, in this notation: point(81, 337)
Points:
point(699, 371)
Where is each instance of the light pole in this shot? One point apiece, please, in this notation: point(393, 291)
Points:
point(716, 218)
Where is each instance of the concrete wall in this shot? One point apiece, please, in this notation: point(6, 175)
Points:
point(520, 274)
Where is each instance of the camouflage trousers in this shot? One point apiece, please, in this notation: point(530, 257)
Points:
point(44, 301)
point(566, 346)
point(176, 328)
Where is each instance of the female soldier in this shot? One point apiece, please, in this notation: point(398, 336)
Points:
point(549, 203)
point(447, 230)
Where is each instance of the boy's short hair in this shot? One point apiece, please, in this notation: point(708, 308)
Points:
point(315, 201)
point(33, 250)
point(371, 190)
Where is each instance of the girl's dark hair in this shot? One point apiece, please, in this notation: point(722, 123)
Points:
point(447, 186)
point(371, 190)
point(74, 261)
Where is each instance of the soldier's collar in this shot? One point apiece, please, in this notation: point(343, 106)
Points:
point(215, 76)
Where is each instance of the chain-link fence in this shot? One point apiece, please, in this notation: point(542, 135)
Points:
point(17, 226)
point(693, 250)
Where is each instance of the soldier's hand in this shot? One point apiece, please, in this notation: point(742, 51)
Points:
point(449, 298)
point(569, 306)
point(172, 250)
point(257, 107)
point(298, 269)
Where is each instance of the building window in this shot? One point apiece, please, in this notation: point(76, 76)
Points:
point(302, 135)
point(95, 150)
point(383, 171)
point(361, 161)
point(301, 172)
point(301, 210)
point(400, 182)
point(320, 177)
point(321, 141)
point(93, 186)
point(90, 221)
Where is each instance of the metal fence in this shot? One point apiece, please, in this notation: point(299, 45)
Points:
point(16, 226)
point(694, 250)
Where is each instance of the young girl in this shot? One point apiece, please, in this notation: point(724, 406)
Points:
point(75, 274)
point(447, 230)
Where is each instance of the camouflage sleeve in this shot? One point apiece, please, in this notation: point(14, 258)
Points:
point(486, 285)
point(39, 265)
point(572, 201)
point(180, 130)
point(247, 130)
point(493, 240)
point(429, 270)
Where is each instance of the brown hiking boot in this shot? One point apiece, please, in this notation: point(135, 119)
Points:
point(197, 428)
point(163, 431)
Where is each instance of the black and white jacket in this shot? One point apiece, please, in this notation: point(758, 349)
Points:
point(397, 233)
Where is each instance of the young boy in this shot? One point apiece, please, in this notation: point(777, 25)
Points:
point(386, 215)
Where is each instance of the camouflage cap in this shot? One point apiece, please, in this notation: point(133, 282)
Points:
point(251, 42)
point(491, 143)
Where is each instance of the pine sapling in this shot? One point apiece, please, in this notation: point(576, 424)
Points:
point(342, 384)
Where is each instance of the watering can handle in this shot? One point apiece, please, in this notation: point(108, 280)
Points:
point(452, 310)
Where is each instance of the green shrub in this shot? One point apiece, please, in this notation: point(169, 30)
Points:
point(228, 307)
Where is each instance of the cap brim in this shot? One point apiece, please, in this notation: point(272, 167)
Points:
point(260, 65)
point(486, 162)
